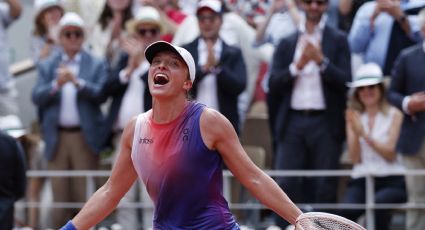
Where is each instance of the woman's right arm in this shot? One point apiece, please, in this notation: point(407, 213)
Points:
point(106, 198)
point(353, 138)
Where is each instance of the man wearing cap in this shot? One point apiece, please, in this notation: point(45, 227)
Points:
point(127, 86)
point(177, 149)
point(307, 84)
point(407, 92)
point(220, 68)
point(68, 96)
point(10, 10)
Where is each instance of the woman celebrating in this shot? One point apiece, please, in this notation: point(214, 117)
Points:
point(373, 127)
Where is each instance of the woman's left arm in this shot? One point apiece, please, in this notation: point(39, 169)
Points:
point(222, 137)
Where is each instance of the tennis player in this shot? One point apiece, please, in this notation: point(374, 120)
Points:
point(177, 149)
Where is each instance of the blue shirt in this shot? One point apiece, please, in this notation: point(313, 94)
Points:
point(372, 44)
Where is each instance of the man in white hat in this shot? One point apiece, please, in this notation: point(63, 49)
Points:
point(127, 86)
point(10, 10)
point(68, 96)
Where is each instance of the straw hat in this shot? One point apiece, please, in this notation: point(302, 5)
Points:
point(145, 14)
point(367, 74)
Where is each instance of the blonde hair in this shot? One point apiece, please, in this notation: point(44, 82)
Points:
point(355, 103)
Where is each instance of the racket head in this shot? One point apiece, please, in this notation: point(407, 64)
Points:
point(325, 221)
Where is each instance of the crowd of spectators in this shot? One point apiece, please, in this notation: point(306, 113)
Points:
point(324, 68)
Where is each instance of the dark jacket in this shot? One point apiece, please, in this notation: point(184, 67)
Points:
point(408, 78)
point(334, 78)
point(89, 98)
point(231, 80)
point(12, 178)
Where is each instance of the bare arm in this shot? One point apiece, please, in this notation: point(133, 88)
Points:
point(387, 149)
point(15, 8)
point(222, 137)
point(354, 132)
point(106, 198)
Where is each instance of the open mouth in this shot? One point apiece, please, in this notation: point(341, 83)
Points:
point(160, 79)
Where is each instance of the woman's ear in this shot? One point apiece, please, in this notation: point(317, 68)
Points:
point(187, 85)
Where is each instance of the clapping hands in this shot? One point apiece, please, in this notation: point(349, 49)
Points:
point(352, 117)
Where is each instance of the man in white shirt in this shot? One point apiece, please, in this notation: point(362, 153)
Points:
point(308, 86)
point(68, 96)
point(220, 68)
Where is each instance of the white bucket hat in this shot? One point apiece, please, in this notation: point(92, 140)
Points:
point(12, 125)
point(146, 14)
point(214, 5)
point(71, 19)
point(159, 46)
point(42, 5)
point(367, 74)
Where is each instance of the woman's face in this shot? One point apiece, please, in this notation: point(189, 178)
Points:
point(118, 4)
point(52, 16)
point(147, 33)
point(369, 95)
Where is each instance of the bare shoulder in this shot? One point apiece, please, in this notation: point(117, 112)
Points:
point(213, 120)
point(398, 114)
point(128, 132)
point(214, 126)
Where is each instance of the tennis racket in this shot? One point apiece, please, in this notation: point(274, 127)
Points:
point(325, 221)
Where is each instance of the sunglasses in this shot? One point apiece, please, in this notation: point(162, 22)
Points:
point(76, 34)
point(367, 87)
point(318, 2)
point(151, 31)
point(205, 18)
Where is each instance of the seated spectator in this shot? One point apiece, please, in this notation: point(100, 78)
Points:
point(46, 24)
point(373, 127)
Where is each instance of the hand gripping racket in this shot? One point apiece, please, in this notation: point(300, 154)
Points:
point(325, 221)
